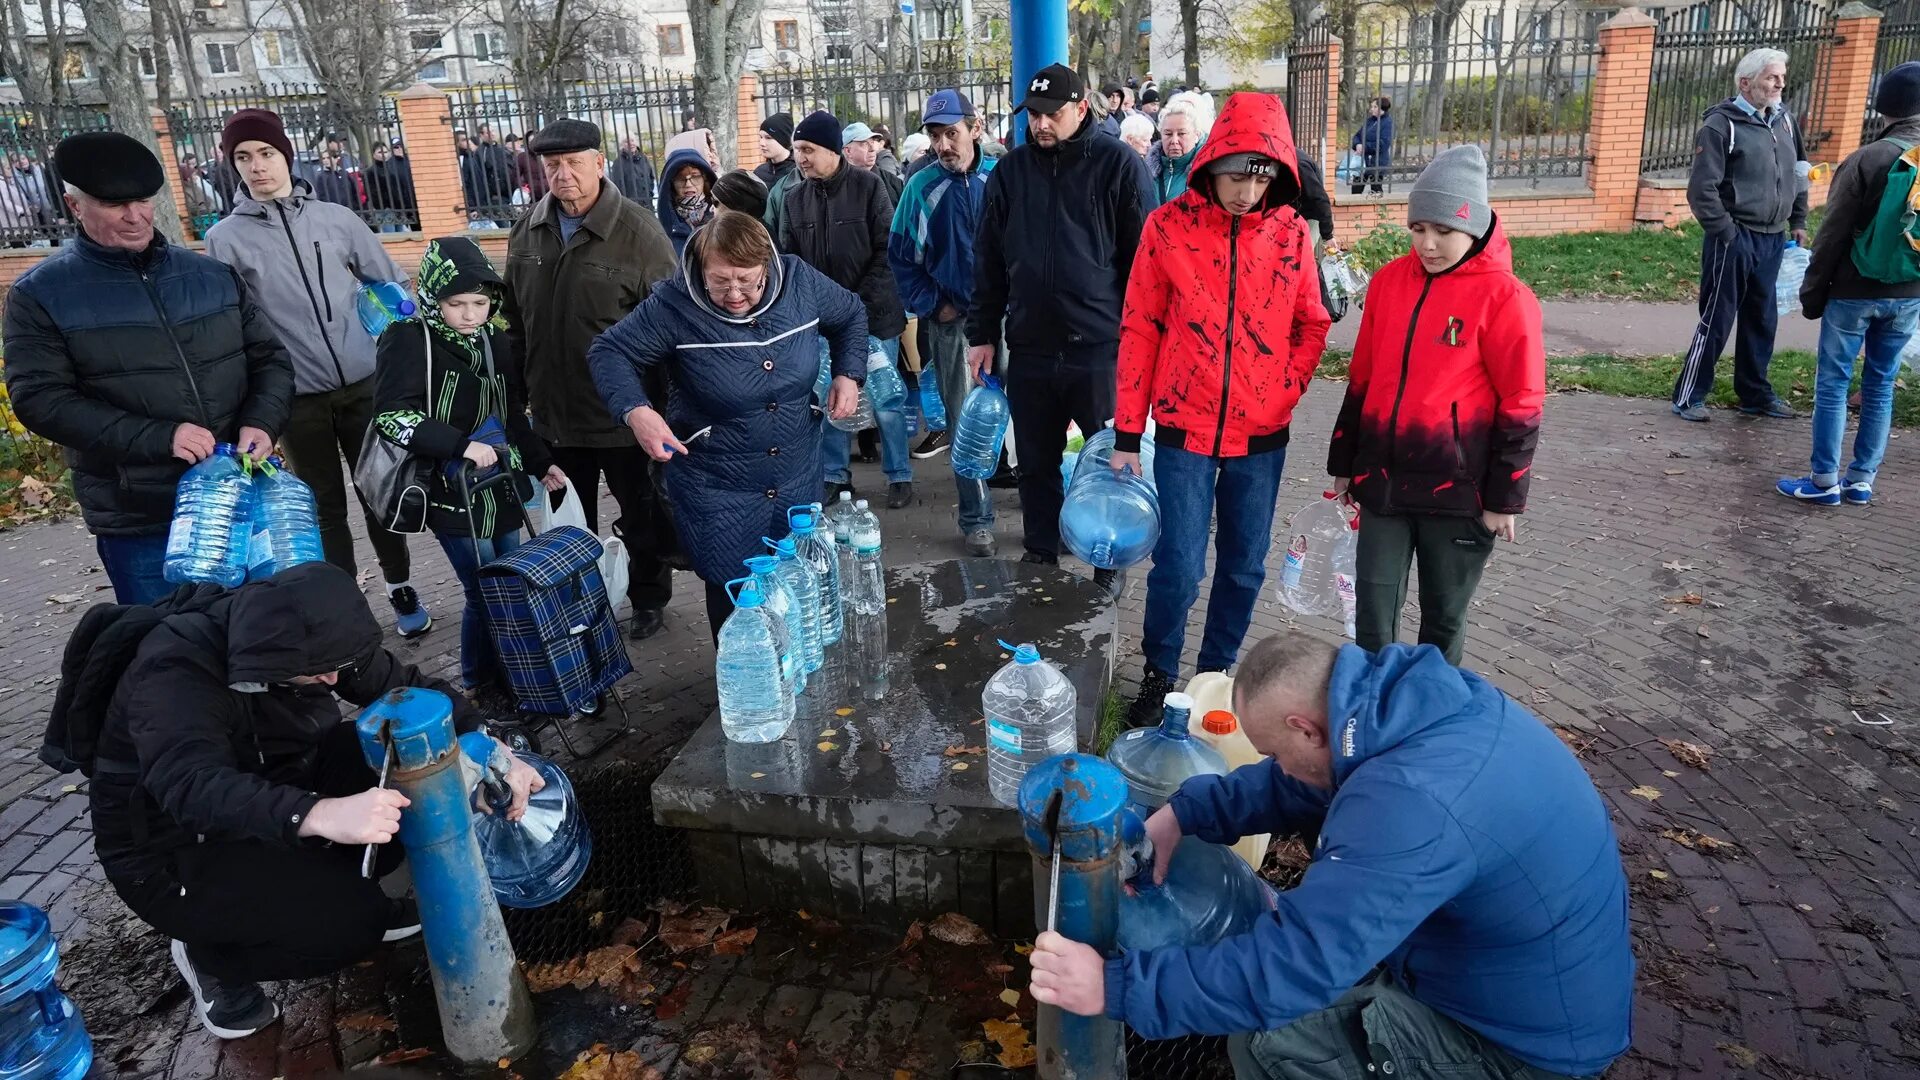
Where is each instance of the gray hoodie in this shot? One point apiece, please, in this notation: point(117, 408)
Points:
point(304, 261)
point(1747, 172)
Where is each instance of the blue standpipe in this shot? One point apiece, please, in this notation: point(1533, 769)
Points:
point(1039, 30)
point(485, 1011)
point(1093, 805)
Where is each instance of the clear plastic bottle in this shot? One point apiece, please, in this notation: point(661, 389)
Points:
point(286, 522)
point(867, 603)
point(815, 546)
point(1098, 450)
point(805, 588)
point(1209, 895)
point(860, 419)
point(981, 431)
point(212, 522)
point(538, 859)
point(1157, 760)
point(933, 408)
point(1793, 270)
point(1345, 570)
point(41, 1033)
point(1029, 706)
point(1315, 534)
point(840, 524)
point(756, 705)
point(885, 389)
point(380, 304)
point(786, 612)
point(823, 380)
point(1109, 519)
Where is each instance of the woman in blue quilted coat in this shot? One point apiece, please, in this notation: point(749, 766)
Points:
point(739, 334)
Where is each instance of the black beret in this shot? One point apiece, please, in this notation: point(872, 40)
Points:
point(109, 166)
point(566, 136)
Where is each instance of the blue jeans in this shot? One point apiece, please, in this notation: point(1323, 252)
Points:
point(135, 565)
point(1190, 484)
point(836, 446)
point(1883, 327)
point(479, 664)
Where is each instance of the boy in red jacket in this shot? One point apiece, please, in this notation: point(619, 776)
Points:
point(1222, 329)
point(1435, 439)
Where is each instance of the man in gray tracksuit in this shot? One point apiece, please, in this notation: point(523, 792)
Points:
point(305, 260)
point(1748, 188)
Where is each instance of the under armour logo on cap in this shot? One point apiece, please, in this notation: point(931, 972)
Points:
point(1465, 213)
point(1038, 84)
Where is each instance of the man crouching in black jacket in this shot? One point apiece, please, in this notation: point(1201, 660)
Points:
point(231, 800)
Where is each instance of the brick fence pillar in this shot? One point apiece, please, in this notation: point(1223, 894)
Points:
point(169, 161)
point(1618, 124)
point(747, 110)
point(1846, 84)
point(426, 124)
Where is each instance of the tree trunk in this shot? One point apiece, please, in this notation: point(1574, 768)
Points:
point(183, 46)
point(56, 51)
point(29, 76)
point(1190, 39)
point(1442, 45)
point(162, 58)
point(719, 29)
point(1349, 56)
point(127, 108)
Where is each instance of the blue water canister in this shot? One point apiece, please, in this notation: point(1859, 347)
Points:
point(1157, 760)
point(815, 546)
point(981, 431)
point(380, 304)
point(885, 388)
point(1210, 894)
point(1793, 271)
point(540, 858)
point(933, 408)
point(41, 1036)
point(1067, 462)
point(286, 522)
point(756, 704)
point(1110, 519)
point(1099, 451)
point(212, 522)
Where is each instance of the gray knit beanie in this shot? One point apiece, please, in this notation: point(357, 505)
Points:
point(1452, 191)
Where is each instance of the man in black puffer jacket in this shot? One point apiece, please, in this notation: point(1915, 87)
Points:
point(137, 357)
point(1061, 221)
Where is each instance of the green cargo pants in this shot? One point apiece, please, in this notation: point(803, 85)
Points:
point(1451, 552)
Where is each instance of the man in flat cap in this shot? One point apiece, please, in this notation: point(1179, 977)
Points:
point(581, 258)
point(138, 357)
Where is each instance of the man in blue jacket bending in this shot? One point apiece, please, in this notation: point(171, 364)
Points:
point(1465, 912)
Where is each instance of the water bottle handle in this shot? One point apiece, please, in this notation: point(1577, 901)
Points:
point(990, 381)
point(736, 587)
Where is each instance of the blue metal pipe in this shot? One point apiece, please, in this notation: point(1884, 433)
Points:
point(485, 1011)
point(1094, 800)
point(1039, 31)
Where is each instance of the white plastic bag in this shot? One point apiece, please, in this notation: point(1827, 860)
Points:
point(613, 570)
point(548, 519)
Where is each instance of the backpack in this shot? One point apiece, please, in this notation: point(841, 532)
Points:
point(101, 649)
point(1888, 249)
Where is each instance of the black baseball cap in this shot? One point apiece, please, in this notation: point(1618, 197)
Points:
point(1052, 87)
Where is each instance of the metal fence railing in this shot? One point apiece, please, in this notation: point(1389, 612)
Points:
point(32, 211)
point(637, 111)
point(1898, 43)
point(1517, 80)
point(1695, 52)
point(876, 96)
point(1306, 96)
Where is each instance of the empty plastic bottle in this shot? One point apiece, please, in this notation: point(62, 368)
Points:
point(815, 546)
point(1316, 534)
point(41, 1034)
point(1098, 450)
point(286, 522)
point(756, 704)
point(786, 612)
point(1210, 894)
point(1110, 519)
point(867, 603)
point(1793, 271)
point(933, 408)
point(1157, 760)
point(380, 304)
point(823, 381)
point(1029, 706)
point(1345, 571)
point(860, 419)
point(212, 522)
point(885, 389)
point(804, 585)
point(981, 431)
point(540, 858)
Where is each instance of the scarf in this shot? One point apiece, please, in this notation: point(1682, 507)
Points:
point(693, 209)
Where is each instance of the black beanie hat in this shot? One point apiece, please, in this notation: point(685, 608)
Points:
point(780, 126)
point(1898, 95)
point(820, 129)
point(741, 190)
point(255, 125)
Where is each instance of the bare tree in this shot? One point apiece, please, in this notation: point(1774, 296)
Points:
point(360, 49)
point(721, 32)
point(30, 76)
point(161, 36)
point(56, 35)
point(127, 108)
point(553, 41)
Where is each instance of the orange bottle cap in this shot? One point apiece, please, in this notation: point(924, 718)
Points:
point(1219, 722)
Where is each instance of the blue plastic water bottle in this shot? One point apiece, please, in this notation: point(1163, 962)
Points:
point(815, 547)
point(1210, 894)
point(41, 1035)
point(1793, 271)
point(286, 522)
point(540, 858)
point(804, 584)
point(212, 522)
point(981, 431)
point(1157, 760)
point(756, 705)
point(933, 408)
point(885, 389)
point(1109, 519)
point(380, 304)
point(789, 634)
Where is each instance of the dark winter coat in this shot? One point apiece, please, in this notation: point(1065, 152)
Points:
point(741, 400)
point(560, 297)
point(1057, 239)
point(1313, 203)
point(1746, 172)
point(1374, 141)
point(770, 173)
point(1852, 200)
point(632, 173)
point(390, 185)
point(108, 351)
point(839, 227)
point(337, 187)
point(675, 226)
point(206, 735)
point(495, 172)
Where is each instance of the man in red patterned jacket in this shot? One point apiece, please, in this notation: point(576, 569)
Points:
point(1222, 329)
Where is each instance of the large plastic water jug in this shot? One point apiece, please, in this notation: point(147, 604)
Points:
point(1109, 519)
point(1209, 895)
point(1793, 271)
point(933, 408)
point(1098, 451)
point(1029, 706)
point(981, 431)
point(212, 522)
point(885, 389)
point(786, 620)
point(866, 596)
point(756, 704)
point(815, 546)
point(1157, 760)
point(823, 379)
point(286, 522)
point(380, 304)
point(41, 1034)
point(1315, 534)
point(804, 585)
point(541, 857)
point(839, 522)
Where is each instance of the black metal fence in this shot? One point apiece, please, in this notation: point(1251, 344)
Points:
point(1695, 52)
point(1898, 43)
point(32, 211)
point(637, 111)
point(1516, 81)
point(1306, 96)
point(875, 96)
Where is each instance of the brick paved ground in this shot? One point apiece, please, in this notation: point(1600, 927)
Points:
point(1790, 951)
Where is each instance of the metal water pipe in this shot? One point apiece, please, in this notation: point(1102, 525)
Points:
point(1094, 798)
point(1039, 31)
point(486, 1013)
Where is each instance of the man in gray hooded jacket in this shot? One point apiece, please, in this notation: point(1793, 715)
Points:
point(305, 259)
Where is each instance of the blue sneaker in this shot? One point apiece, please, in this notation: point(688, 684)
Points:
point(1805, 490)
point(411, 618)
point(1859, 493)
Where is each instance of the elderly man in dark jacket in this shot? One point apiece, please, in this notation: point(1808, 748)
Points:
point(632, 173)
point(231, 801)
point(838, 221)
point(138, 357)
point(1062, 220)
point(581, 259)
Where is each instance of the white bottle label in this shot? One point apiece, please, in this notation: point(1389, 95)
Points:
point(1003, 736)
point(260, 550)
point(1344, 583)
point(1294, 565)
point(181, 536)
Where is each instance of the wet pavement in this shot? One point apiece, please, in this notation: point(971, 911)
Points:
point(1662, 599)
